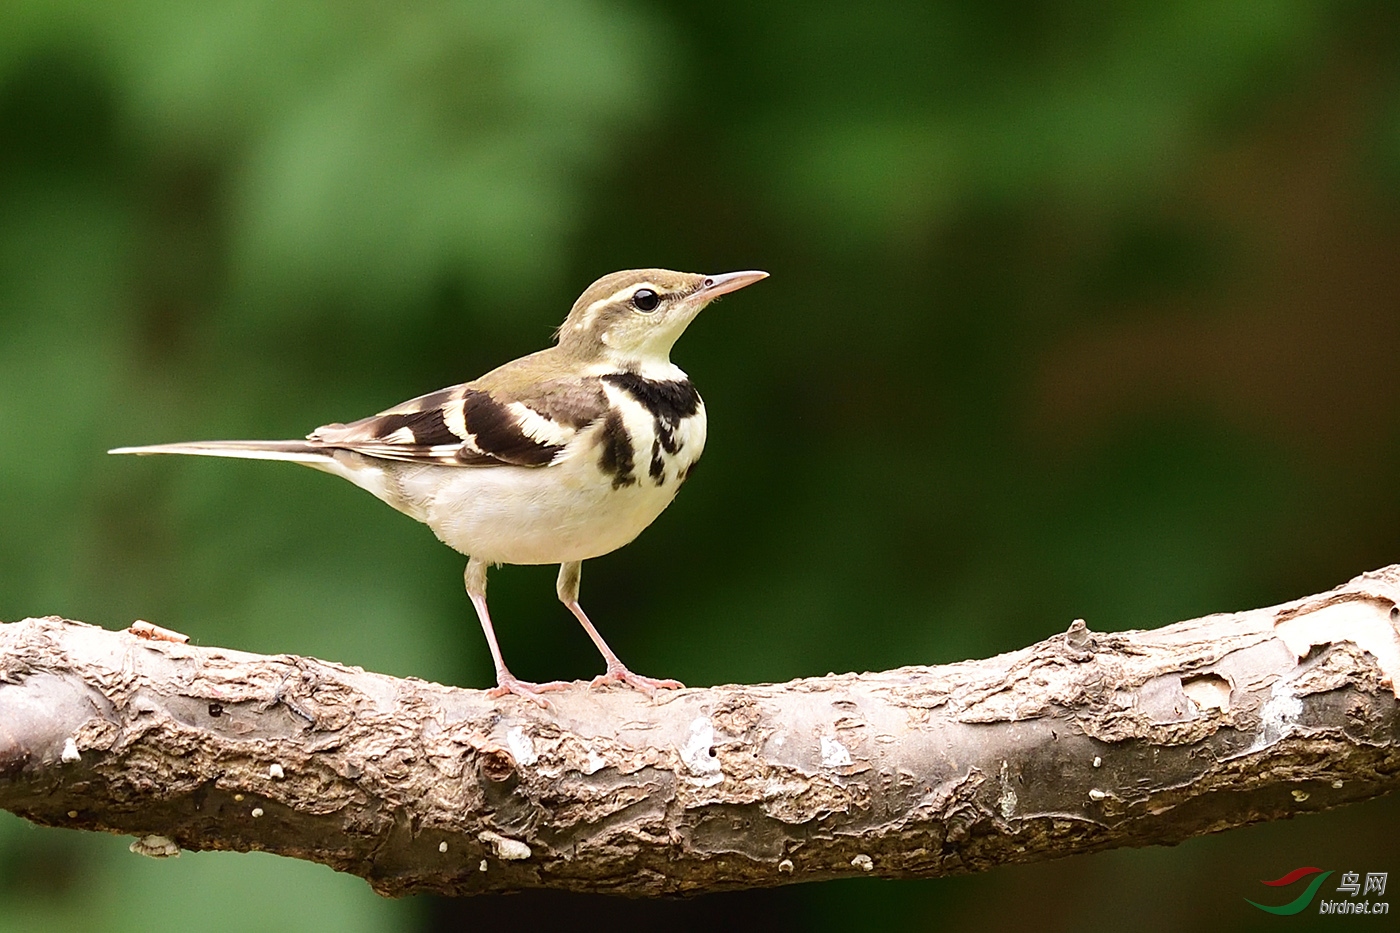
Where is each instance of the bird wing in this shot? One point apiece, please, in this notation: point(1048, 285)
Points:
point(472, 425)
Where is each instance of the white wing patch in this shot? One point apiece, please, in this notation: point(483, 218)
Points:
point(454, 415)
point(539, 428)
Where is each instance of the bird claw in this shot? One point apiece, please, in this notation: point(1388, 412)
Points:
point(647, 685)
point(508, 685)
point(505, 686)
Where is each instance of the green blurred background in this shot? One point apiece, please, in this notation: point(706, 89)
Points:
point(1078, 309)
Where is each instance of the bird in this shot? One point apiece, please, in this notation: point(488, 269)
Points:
point(557, 457)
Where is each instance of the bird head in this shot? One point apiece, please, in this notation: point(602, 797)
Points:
point(637, 315)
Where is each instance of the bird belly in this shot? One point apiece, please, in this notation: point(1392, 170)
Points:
point(590, 501)
point(523, 515)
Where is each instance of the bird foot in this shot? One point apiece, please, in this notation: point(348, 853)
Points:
point(647, 685)
point(507, 685)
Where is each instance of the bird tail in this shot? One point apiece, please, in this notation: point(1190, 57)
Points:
point(366, 472)
point(294, 451)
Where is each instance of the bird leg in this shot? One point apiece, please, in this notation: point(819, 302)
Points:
point(570, 575)
point(506, 682)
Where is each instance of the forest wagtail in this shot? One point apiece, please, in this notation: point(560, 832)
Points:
point(556, 457)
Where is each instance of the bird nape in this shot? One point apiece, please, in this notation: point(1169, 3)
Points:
point(556, 457)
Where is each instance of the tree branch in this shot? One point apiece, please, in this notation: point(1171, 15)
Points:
point(1082, 742)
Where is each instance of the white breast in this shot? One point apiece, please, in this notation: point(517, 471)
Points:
point(569, 510)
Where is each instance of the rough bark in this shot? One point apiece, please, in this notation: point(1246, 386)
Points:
point(1082, 742)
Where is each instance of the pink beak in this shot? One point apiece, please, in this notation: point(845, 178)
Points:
point(723, 284)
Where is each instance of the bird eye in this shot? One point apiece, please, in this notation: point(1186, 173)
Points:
point(644, 299)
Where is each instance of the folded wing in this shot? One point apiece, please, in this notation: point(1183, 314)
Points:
point(469, 426)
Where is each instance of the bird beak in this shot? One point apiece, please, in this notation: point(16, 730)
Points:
point(723, 284)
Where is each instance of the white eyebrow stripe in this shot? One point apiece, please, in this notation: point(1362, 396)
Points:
point(585, 321)
point(623, 293)
point(631, 289)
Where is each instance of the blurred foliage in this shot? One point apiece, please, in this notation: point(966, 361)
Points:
point(1078, 309)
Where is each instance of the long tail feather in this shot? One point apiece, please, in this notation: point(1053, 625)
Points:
point(366, 472)
point(294, 451)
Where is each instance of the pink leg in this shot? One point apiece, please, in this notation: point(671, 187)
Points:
point(570, 575)
point(506, 682)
